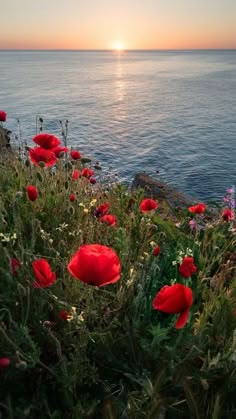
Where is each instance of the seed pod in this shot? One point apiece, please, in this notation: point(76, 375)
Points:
point(39, 176)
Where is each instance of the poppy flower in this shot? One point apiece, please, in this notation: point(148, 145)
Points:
point(39, 154)
point(95, 264)
point(14, 265)
point(64, 315)
point(72, 197)
point(75, 175)
point(86, 172)
point(75, 155)
point(228, 215)
point(32, 192)
point(198, 209)
point(4, 362)
point(174, 299)
point(187, 267)
point(59, 151)
point(43, 274)
point(47, 141)
point(3, 116)
point(156, 251)
point(102, 209)
point(92, 181)
point(109, 219)
point(148, 205)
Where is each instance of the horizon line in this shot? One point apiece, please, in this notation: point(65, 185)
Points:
point(118, 51)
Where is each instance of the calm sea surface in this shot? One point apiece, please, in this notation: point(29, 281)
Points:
point(172, 112)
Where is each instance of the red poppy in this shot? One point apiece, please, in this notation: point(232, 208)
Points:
point(109, 219)
point(198, 209)
point(39, 154)
point(64, 315)
point(86, 172)
point(47, 141)
point(75, 155)
point(95, 264)
point(59, 151)
point(72, 197)
point(4, 362)
point(148, 205)
point(32, 192)
point(3, 116)
point(187, 267)
point(43, 274)
point(92, 181)
point(228, 215)
point(102, 209)
point(15, 265)
point(156, 251)
point(76, 174)
point(175, 299)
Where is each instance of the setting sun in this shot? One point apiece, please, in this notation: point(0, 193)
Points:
point(119, 46)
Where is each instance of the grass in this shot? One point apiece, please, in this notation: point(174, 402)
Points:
point(114, 357)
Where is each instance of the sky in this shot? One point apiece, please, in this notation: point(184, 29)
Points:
point(107, 24)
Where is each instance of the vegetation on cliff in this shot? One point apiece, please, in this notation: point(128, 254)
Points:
point(94, 332)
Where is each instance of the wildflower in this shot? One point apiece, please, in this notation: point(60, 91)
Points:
point(192, 224)
point(156, 251)
point(3, 116)
point(198, 209)
point(14, 265)
point(92, 181)
point(174, 299)
point(43, 274)
point(4, 362)
point(93, 202)
point(59, 151)
point(95, 264)
point(72, 197)
point(187, 267)
point(39, 154)
point(109, 219)
point(64, 315)
point(148, 205)
point(228, 215)
point(75, 155)
point(46, 141)
point(76, 174)
point(86, 210)
point(102, 209)
point(32, 192)
point(86, 172)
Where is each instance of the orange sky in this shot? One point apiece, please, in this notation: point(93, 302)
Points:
point(99, 24)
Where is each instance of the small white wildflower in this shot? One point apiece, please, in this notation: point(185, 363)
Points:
point(174, 262)
point(93, 202)
point(152, 244)
point(86, 210)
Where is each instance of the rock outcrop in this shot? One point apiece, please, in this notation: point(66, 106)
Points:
point(4, 139)
point(161, 191)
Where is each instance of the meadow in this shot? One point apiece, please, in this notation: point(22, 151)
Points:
point(112, 305)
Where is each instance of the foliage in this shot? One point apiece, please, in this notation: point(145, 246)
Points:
point(114, 357)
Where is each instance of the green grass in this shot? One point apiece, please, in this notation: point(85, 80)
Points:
point(115, 358)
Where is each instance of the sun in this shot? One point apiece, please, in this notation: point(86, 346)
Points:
point(118, 46)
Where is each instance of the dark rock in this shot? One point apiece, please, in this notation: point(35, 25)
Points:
point(4, 139)
point(161, 191)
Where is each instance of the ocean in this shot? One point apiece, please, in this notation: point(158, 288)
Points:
point(171, 114)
